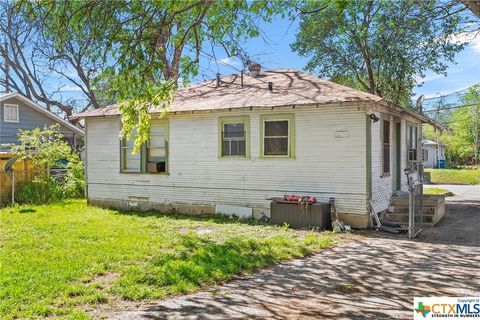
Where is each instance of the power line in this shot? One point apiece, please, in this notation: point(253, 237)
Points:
point(452, 108)
point(451, 94)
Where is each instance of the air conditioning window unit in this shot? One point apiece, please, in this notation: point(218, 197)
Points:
point(412, 155)
point(155, 167)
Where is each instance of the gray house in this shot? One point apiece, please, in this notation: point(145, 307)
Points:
point(19, 112)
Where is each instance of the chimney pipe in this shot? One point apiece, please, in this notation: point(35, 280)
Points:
point(241, 78)
point(254, 69)
point(218, 80)
point(270, 87)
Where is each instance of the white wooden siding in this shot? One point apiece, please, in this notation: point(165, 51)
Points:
point(324, 165)
point(382, 187)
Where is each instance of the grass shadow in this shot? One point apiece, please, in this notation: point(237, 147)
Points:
point(27, 210)
point(198, 262)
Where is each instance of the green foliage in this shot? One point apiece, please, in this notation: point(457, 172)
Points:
point(379, 46)
point(148, 46)
point(74, 182)
point(66, 257)
point(42, 189)
point(43, 146)
point(462, 137)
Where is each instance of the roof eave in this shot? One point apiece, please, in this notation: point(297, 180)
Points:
point(191, 111)
point(418, 116)
point(40, 109)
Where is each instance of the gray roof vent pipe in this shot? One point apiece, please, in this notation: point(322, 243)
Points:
point(270, 87)
point(254, 69)
point(218, 80)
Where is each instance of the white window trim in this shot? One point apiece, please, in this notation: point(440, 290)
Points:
point(288, 138)
point(4, 112)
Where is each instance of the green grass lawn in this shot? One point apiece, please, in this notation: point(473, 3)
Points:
point(454, 176)
point(435, 191)
point(60, 259)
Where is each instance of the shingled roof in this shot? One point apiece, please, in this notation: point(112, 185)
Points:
point(290, 87)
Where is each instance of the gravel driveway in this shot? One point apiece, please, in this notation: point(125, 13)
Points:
point(370, 276)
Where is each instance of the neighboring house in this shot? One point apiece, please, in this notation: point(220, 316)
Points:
point(433, 154)
point(231, 144)
point(19, 112)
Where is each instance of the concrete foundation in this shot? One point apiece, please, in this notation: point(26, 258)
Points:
point(357, 221)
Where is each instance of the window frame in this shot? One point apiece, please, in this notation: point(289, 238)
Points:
point(386, 118)
point(424, 155)
point(290, 117)
point(222, 121)
point(123, 158)
point(144, 153)
point(412, 141)
point(4, 113)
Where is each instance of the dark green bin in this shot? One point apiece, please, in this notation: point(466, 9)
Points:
point(315, 215)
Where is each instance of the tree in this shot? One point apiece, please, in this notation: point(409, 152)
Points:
point(150, 46)
point(462, 136)
point(40, 70)
point(45, 147)
point(379, 46)
point(468, 122)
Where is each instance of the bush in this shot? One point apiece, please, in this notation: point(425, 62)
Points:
point(74, 182)
point(39, 191)
point(45, 189)
point(47, 148)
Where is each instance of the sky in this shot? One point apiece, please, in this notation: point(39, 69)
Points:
point(273, 52)
point(277, 54)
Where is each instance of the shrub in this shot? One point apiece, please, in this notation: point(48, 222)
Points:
point(46, 148)
point(74, 182)
point(45, 189)
point(39, 191)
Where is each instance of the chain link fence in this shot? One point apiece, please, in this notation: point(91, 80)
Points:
point(405, 215)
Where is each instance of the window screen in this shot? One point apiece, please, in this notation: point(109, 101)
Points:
point(152, 156)
point(386, 146)
point(276, 138)
point(157, 150)
point(233, 139)
point(131, 162)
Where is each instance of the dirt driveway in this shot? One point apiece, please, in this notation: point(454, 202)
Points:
point(371, 276)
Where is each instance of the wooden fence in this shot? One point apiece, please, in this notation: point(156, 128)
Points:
point(24, 171)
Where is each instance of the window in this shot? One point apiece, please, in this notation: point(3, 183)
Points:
point(234, 137)
point(10, 113)
point(424, 155)
point(412, 141)
point(157, 148)
point(277, 136)
point(386, 146)
point(153, 155)
point(130, 162)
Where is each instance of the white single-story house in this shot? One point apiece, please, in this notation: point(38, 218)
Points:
point(433, 153)
point(234, 142)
